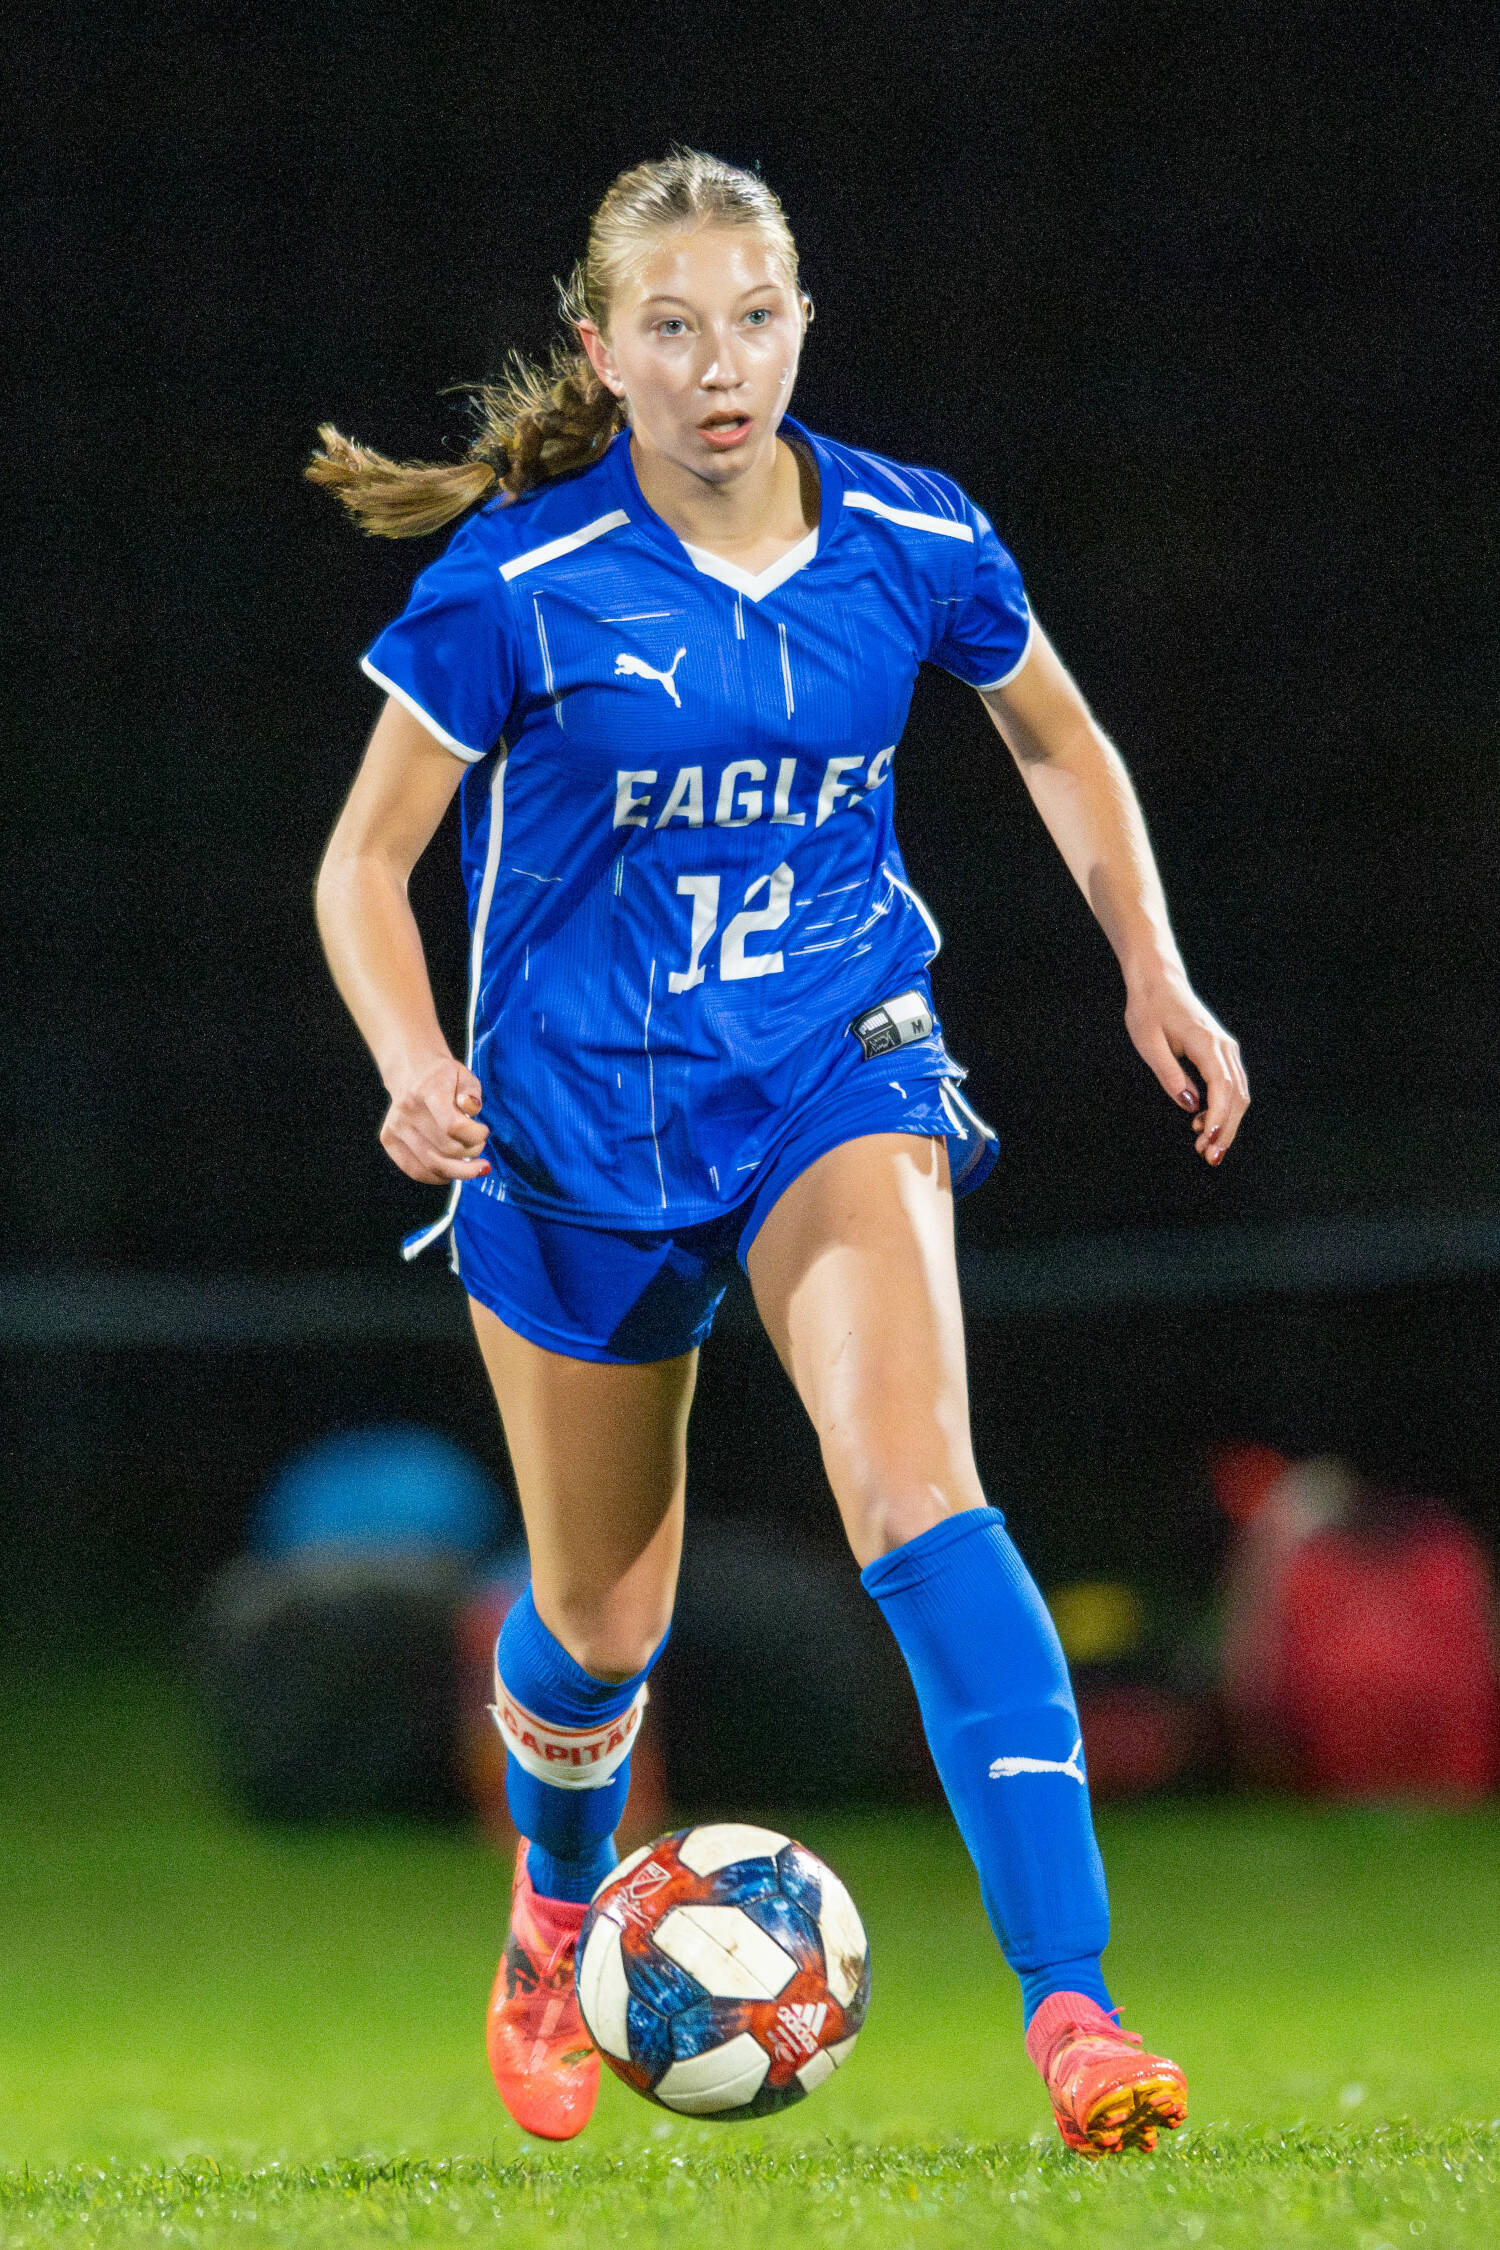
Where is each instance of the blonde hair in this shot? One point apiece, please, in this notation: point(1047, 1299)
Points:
point(546, 419)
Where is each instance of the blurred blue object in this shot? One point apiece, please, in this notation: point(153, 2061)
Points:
point(391, 1485)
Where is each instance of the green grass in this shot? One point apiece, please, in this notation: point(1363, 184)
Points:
point(210, 2032)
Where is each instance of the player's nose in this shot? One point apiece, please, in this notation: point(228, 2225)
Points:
point(723, 367)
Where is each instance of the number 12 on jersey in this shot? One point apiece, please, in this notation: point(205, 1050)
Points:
point(734, 961)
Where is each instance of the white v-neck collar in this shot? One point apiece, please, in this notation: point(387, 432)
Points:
point(730, 574)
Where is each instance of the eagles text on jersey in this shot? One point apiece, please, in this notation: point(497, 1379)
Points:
point(682, 873)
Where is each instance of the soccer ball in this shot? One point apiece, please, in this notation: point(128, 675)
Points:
point(723, 1971)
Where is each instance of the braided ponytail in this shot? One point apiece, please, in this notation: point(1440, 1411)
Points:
point(548, 419)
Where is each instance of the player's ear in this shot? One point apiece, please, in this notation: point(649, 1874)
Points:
point(600, 357)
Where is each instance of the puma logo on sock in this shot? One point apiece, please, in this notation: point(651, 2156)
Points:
point(1003, 1769)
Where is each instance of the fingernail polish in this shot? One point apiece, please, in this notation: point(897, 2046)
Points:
point(1188, 1101)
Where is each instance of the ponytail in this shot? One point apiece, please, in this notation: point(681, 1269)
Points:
point(536, 422)
point(548, 420)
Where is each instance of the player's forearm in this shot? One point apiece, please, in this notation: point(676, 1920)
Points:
point(374, 949)
point(1084, 794)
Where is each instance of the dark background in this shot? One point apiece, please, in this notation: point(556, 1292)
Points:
point(1191, 300)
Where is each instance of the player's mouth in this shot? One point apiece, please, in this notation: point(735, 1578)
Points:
point(721, 431)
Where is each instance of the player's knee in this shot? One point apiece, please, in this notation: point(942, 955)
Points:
point(887, 1519)
point(891, 1489)
point(610, 1645)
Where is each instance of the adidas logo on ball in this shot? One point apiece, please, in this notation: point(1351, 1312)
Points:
point(801, 2026)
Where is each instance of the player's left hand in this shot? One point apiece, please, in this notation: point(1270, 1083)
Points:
point(1169, 1024)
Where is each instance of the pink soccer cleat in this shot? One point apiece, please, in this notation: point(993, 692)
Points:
point(1107, 2095)
point(545, 2064)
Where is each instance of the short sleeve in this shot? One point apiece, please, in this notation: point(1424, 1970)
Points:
point(987, 636)
point(450, 656)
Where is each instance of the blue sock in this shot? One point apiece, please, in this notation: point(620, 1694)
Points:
point(569, 1737)
point(575, 1879)
point(996, 1702)
point(1084, 1975)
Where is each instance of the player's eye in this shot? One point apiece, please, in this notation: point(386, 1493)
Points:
point(673, 322)
point(761, 313)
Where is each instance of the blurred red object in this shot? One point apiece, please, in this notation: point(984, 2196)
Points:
point(482, 1748)
point(1242, 1477)
point(1137, 1738)
point(1359, 1653)
point(1389, 1664)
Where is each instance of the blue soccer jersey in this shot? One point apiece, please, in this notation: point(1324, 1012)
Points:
point(678, 844)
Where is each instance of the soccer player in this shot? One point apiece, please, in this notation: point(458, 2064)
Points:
point(668, 658)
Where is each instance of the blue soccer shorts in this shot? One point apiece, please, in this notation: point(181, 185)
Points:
point(592, 1291)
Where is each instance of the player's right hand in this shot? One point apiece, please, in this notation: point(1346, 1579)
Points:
point(432, 1128)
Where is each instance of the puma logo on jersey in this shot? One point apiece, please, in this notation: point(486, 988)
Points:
point(1004, 1768)
point(645, 671)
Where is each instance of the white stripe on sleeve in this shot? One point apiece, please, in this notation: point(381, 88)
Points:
point(403, 696)
point(1005, 678)
point(535, 556)
point(909, 516)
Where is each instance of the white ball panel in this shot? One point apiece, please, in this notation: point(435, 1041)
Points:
point(603, 1993)
point(728, 1954)
point(720, 2079)
point(845, 1945)
point(706, 1850)
point(813, 2073)
point(841, 2049)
